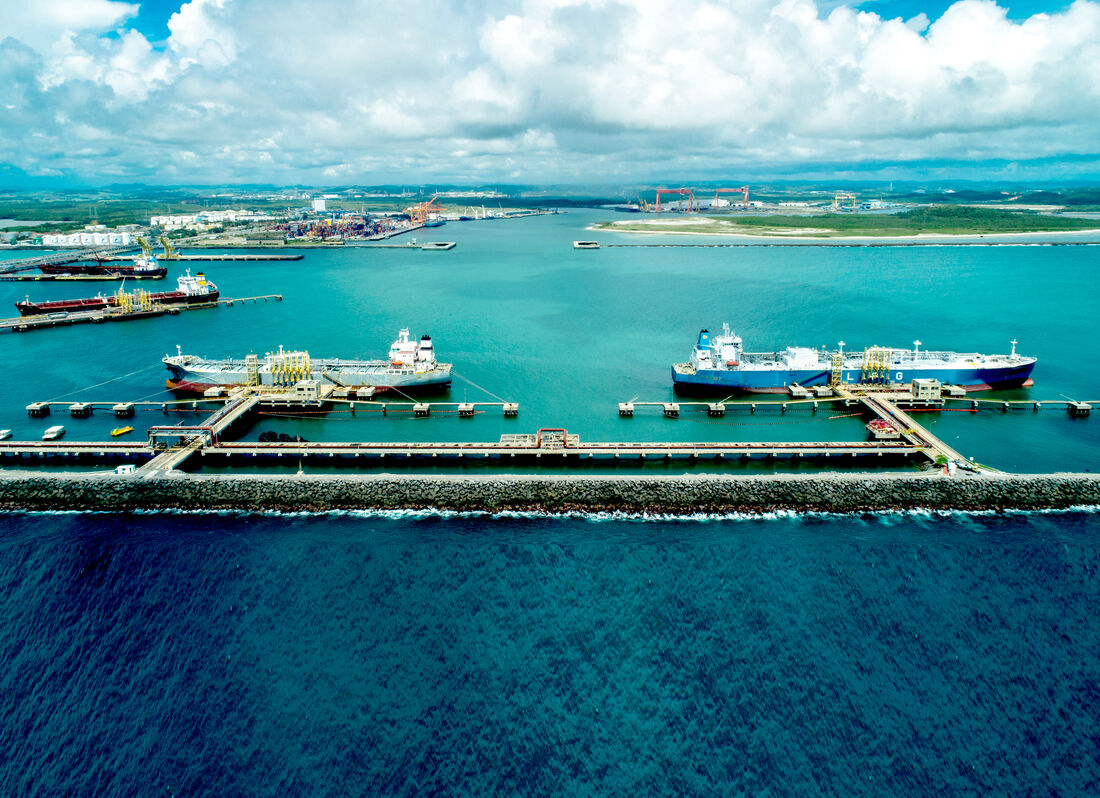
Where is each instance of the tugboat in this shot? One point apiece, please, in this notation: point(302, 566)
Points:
point(190, 291)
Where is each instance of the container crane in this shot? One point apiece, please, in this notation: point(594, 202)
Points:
point(419, 213)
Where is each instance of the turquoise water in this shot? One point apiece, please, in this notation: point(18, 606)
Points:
point(412, 653)
point(568, 334)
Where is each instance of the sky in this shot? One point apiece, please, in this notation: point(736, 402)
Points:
point(347, 92)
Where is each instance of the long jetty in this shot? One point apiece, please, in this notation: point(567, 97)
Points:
point(238, 256)
point(55, 258)
point(170, 446)
point(897, 436)
point(46, 320)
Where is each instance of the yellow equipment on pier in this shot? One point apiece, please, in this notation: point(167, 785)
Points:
point(132, 303)
point(876, 364)
point(287, 368)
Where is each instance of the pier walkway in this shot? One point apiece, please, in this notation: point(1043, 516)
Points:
point(884, 406)
point(54, 258)
point(65, 318)
point(187, 441)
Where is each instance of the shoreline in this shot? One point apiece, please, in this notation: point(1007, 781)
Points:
point(553, 493)
point(921, 238)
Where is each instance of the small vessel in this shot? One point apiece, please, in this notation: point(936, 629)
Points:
point(5, 434)
point(586, 245)
point(144, 267)
point(189, 291)
point(53, 433)
point(720, 364)
point(411, 365)
point(121, 431)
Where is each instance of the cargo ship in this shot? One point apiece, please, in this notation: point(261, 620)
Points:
point(720, 365)
point(145, 267)
point(190, 291)
point(411, 366)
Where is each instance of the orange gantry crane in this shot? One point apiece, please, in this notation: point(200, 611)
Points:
point(681, 193)
point(420, 212)
point(743, 190)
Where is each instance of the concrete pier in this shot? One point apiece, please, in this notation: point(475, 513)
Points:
point(65, 318)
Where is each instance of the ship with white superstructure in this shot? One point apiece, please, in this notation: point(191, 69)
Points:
point(720, 364)
point(411, 366)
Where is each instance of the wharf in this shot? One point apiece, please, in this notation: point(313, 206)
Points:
point(46, 320)
point(884, 402)
point(62, 278)
point(392, 233)
point(538, 447)
point(250, 256)
point(54, 258)
point(169, 447)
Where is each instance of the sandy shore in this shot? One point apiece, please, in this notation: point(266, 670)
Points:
point(845, 238)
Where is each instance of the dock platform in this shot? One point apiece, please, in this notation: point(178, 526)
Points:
point(63, 319)
point(170, 447)
point(246, 256)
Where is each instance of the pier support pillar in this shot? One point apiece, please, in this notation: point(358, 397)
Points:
point(38, 409)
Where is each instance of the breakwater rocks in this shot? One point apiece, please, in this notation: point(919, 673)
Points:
point(552, 493)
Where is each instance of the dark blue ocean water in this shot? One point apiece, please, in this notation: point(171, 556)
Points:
point(335, 655)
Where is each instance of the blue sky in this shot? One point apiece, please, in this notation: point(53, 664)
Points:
point(334, 92)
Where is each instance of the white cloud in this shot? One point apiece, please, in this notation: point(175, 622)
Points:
point(200, 33)
point(40, 23)
point(546, 88)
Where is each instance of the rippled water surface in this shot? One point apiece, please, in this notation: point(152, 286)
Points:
point(409, 653)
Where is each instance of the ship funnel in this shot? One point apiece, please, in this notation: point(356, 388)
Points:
point(704, 339)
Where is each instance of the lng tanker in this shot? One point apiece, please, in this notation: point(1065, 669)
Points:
point(189, 291)
point(720, 364)
point(411, 365)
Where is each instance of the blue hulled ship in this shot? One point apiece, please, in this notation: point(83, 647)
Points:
point(720, 364)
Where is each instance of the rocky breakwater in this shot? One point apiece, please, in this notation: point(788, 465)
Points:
point(553, 493)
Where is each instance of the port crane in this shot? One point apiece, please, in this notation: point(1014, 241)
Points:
point(169, 251)
point(743, 190)
point(681, 193)
point(420, 212)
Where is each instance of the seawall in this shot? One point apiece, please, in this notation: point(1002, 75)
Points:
point(554, 493)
